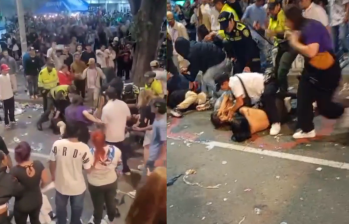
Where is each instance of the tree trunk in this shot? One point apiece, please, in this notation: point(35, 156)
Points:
point(148, 24)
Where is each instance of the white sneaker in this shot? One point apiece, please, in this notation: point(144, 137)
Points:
point(91, 221)
point(343, 121)
point(106, 220)
point(301, 134)
point(275, 129)
point(287, 102)
point(132, 194)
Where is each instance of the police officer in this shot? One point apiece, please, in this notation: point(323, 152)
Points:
point(57, 98)
point(239, 45)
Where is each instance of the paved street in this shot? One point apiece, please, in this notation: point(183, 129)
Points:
point(267, 180)
point(41, 143)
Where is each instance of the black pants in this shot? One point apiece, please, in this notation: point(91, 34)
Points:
point(80, 87)
point(124, 154)
point(4, 219)
point(269, 102)
point(101, 195)
point(21, 217)
point(9, 110)
point(44, 98)
point(321, 91)
point(47, 111)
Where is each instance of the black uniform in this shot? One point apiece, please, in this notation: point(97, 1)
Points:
point(240, 45)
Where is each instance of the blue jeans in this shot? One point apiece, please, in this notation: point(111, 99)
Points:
point(76, 204)
point(339, 34)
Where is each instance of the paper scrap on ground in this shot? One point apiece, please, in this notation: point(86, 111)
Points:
point(191, 172)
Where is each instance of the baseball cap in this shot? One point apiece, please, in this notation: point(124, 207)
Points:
point(161, 104)
point(224, 19)
point(273, 3)
point(154, 63)
point(4, 67)
point(219, 79)
point(150, 74)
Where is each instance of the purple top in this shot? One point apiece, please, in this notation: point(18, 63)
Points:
point(315, 32)
point(74, 113)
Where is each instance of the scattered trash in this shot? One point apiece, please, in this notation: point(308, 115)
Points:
point(172, 143)
point(257, 211)
point(338, 178)
point(199, 133)
point(28, 122)
point(224, 162)
point(173, 180)
point(335, 144)
point(248, 190)
point(319, 169)
point(16, 140)
point(301, 199)
point(277, 177)
point(203, 218)
point(25, 134)
point(283, 223)
point(229, 192)
point(188, 144)
point(190, 172)
point(307, 145)
point(171, 206)
point(225, 199)
point(29, 116)
point(243, 219)
point(209, 203)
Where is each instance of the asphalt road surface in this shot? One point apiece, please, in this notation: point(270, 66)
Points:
point(41, 143)
point(267, 180)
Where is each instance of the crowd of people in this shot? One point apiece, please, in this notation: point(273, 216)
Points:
point(79, 71)
point(224, 64)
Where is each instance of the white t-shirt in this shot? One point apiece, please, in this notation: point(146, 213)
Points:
point(114, 115)
point(316, 12)
point(253, 82)
point(70, 158)
point(337, 11)
point(104, 171)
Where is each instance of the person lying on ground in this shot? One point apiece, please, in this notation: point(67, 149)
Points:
point(181, 101)
point(248, 89)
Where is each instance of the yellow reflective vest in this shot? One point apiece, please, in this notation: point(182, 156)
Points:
point(56, 89)
point(278, 25)
point(48, 80)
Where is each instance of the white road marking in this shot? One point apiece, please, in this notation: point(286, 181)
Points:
point(34, 154)
point(275, 154)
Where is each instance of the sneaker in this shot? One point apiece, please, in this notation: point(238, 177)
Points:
point(176, 113)
point(343, 121)
point(140, 167)
point(7, 126)
point(91, 221)
point(14, 122)
point(275, 129)
point(287, 102)
point(106, 220)
point(301, 134)
point(132, 194)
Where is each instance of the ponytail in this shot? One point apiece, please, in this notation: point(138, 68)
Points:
point(98, 140)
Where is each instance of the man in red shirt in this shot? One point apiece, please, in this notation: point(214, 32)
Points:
point(64, 76)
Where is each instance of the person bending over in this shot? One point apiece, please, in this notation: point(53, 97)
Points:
point(249, 89)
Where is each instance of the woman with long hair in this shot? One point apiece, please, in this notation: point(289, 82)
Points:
point(146, 119)
point(33, 176)
point(149, 206)
point(102, 180)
